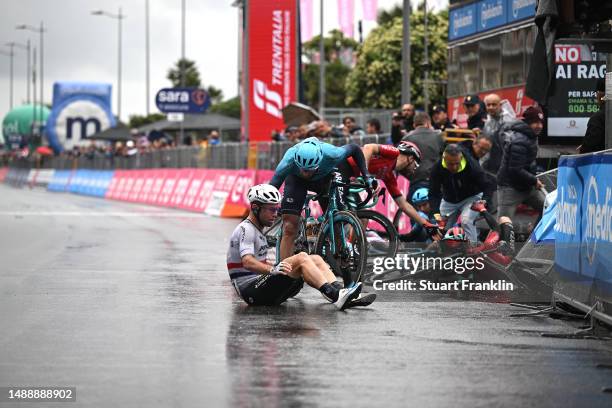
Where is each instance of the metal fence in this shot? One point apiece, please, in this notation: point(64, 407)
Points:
point(335, 116)
point(230, 155)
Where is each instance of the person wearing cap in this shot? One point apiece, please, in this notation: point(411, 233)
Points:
point(516, 179)
point(476, 114)
point(439, 118)
point(595, 136)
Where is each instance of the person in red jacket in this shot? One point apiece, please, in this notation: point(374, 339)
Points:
point(382, 162)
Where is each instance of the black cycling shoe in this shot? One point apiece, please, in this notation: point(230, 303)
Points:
point(365, 299)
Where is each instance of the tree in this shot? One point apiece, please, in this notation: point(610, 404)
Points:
point(192, 74)
point(336, 47)
point(215, 94)
point(376, 80)
point(230, 107)
point(137, 121)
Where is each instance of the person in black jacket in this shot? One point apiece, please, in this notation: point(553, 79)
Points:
point(476, 114)
point(516, 178)
point(595, 136)
point(456, 182)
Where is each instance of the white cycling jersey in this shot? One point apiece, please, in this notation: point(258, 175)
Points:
point(246, 239)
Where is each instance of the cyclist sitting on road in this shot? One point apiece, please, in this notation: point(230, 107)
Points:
point(382, 161)
point(457, 182)
point(308, 166)
point(260, 283)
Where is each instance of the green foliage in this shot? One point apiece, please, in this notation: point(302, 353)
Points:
point(192, 74)
point(335, 70)
point(230, 107)
point(137, 121)
point(376, 80)
point(215, 94)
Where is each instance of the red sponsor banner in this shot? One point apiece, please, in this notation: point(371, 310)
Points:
point(182, 185)
point(272, 61)
point(139, 179)
point(197, 181)
point(158, 184)
point(147, 186)
point(3, 173)
point(130, 178)
point(237, 203)
point(117, 185)
point(201, 200)
point(515, 95)
point(165, 194)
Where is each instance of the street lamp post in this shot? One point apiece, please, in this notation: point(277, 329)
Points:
point(147, 54)
point(10, 55)
point(27, 48)
point(41, 31)
point(119, 17)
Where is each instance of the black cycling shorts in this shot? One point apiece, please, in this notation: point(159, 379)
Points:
point(295, 192)
point(271, 290)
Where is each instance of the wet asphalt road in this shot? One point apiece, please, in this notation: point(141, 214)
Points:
point(132, 305)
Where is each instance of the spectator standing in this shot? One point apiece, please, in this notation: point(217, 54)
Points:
point(440, 118)
point(595, 136)
point(373, 127)
point(431, 144)
point(408, 115)
point(351, 128)
point(476, 114)
point(213, 138)
point(397, 131)
point(516, 178)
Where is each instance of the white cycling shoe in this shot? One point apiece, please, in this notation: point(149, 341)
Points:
point(346, 295)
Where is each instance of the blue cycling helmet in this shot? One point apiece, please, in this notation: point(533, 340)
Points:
point(420, 196)
point(308, 155)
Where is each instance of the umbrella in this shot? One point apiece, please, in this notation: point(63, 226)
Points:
point(119, 133)
point(297, 114)
point(44, 151)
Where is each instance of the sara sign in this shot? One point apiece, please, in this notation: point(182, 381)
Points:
point(271, 60)
point(80, 109)
point(185, 100)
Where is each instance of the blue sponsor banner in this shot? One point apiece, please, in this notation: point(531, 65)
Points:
point(520, 9)
point(59, 181)
point(491, 14)
point(583, 229)
point(462, 22)
point(186, 100)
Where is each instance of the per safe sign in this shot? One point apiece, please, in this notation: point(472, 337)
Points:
point(185, 100)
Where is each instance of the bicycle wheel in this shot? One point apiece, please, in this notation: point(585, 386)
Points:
point(347, 252)
point(380, 234)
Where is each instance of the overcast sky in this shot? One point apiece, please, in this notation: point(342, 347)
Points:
point(82, 47)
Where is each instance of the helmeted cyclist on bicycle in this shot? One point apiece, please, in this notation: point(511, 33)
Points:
point(260, 283)
point(308, 166)
point(383, 161)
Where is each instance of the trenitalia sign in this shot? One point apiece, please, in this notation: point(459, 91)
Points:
point(270, 75)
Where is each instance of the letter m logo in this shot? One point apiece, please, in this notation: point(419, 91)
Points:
point(84, 126)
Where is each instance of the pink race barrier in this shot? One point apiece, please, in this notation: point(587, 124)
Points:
point(163, 199)
point(182, 185)
point(158, 184)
